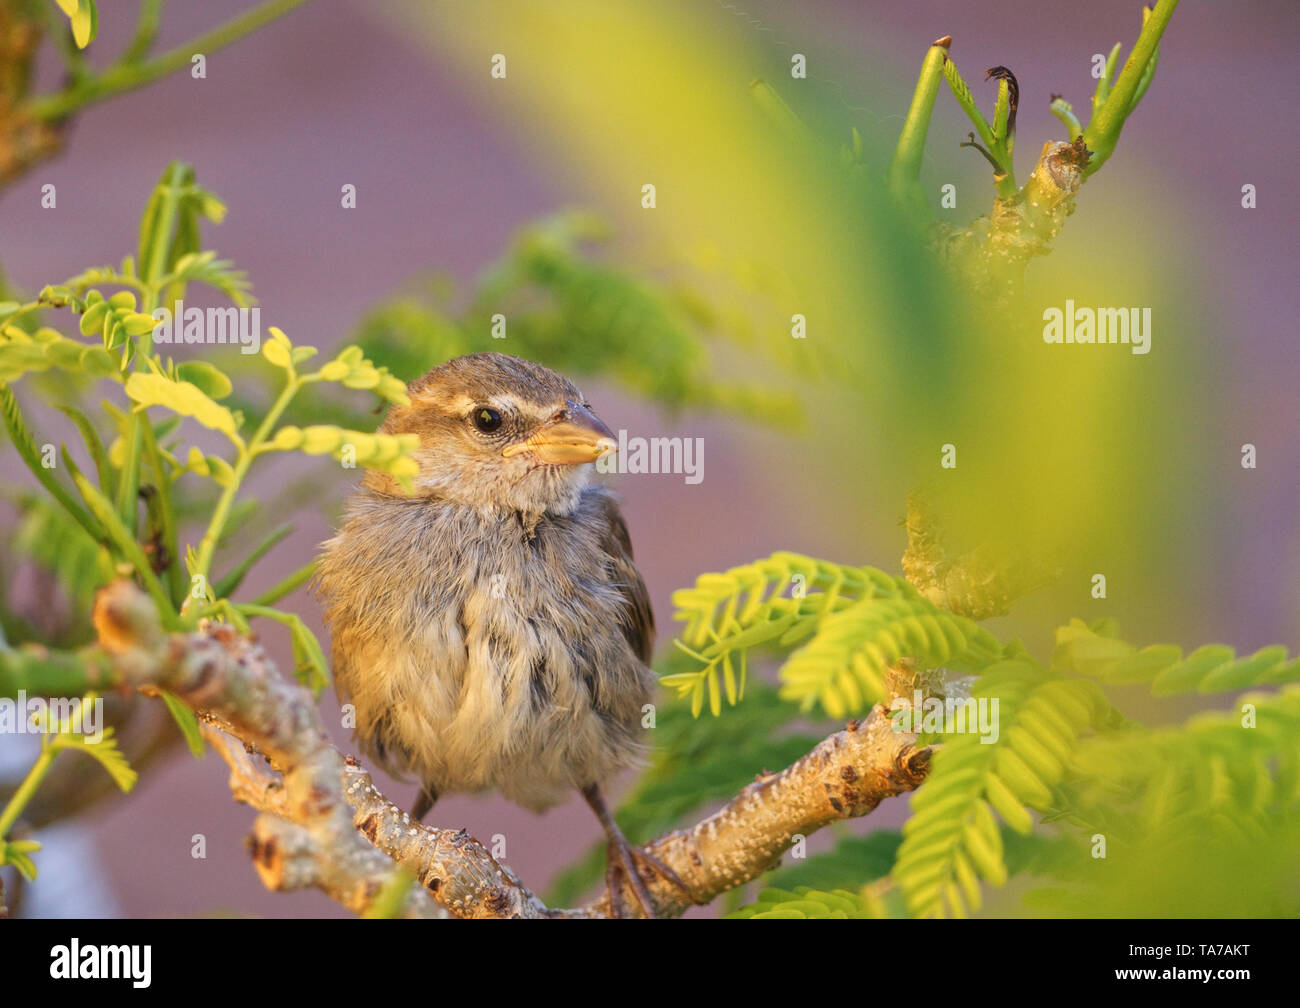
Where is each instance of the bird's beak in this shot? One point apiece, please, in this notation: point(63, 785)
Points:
point(576, 437)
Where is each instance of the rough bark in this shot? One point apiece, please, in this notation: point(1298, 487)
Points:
point(323, 823)
point(307, 838)
point(993, 251)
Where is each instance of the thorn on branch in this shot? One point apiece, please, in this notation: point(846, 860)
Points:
point(972, 142)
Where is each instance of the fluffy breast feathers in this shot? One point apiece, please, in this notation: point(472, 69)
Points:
point(485, 650)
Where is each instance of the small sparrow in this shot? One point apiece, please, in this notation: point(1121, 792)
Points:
point(491, 629)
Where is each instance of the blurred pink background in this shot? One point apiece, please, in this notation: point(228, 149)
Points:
point(334, 94)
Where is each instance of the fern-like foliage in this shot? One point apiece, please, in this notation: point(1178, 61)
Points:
point(1096, 650)
point(776, 601)
point(843, 667)
point(952, 841)
point(46, 535)
point(841, 880)
point(1061, 748)
point(860, 621)
point(1199, 820)
point(1237, 771)
point(804, 903)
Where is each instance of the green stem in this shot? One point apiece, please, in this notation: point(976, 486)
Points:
point(27, 789)
point(1065, 112)
point(128, 76)
point(146, 31)
point(265, 612)
point(1107, 79)
point(128, 490)
point(162, 234)
point(961, 91)
point(121, 541)
point(1103, 131)
point(774, 107)
point(1001, 111)
point(1004, 179)
point(26, 309)
point(905, 169)
point(246, 455)
point(113, 279)
point(231, 582)
point(221, 609)
point(53, 673)
point(162, 485)
point(293, 582)
point(176, 585)
point(18, 434)
point(74, 60)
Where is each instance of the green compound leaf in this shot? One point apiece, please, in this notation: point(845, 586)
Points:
point(778, 602)
point(84, 19)
point(184, 398)
point(1211, 669)
point(106, 753)
point(952, 840)
point(806, 904)
point(186, 720)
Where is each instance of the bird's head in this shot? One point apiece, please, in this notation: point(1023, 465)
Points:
point(498, 431)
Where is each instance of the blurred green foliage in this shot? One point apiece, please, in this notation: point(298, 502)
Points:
point(799, 277)
point(1130, 811)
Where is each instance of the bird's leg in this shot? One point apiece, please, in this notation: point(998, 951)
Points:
point(627, 859)
point(423, 802)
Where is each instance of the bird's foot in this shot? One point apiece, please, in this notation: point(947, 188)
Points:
point(423, 802)
point(630, 863)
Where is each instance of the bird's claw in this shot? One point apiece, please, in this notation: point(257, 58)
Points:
point(629, 861)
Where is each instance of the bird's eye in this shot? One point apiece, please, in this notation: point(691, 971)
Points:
point(486, 419)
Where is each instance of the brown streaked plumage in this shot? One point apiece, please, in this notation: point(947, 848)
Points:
point(492, 629)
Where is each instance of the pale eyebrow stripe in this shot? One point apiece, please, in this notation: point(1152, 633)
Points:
point(462, 404)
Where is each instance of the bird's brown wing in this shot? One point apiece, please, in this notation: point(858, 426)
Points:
point(638, 622)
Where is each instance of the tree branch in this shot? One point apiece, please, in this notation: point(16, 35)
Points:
point(324, 824)
point(993, 251)
point(129, 74)
point(309, 839)
point(32, 127)
point(845, 776)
